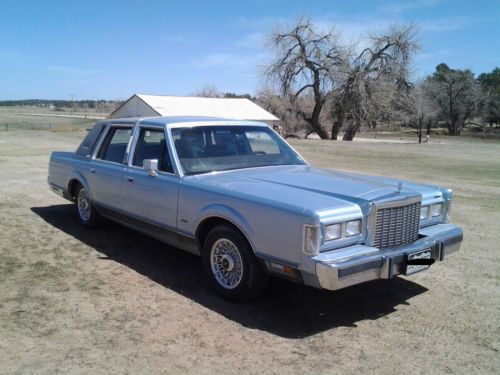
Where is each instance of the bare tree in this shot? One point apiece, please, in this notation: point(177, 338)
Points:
point(285, 108)
point(416, 108)
point(374, 77)
point(208, 91)
point(360, 87)
point(306, 63)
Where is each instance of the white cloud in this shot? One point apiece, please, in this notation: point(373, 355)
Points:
point(228, 60)
point(215, 60)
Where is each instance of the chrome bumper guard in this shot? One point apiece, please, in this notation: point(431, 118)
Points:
point(339, 269)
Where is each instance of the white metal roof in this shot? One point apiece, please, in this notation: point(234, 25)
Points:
point(230, 108)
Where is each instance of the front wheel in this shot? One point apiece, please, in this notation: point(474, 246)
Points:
point(85, 210)
point(230, 265)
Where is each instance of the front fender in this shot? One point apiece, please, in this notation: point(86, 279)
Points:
point(227, 213)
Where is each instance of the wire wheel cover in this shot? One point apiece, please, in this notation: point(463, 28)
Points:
point(226, 263)
point(83, 203)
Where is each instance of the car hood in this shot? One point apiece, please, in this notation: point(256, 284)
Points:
point(315, 188)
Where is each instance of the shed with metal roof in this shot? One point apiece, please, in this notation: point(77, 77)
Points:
point(140, 105)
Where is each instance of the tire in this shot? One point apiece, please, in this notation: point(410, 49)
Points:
point(85, 211)
point(230, 265)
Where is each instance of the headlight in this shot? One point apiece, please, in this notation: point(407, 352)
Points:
point(436, 210)
point(352, 228)
point(341, 230)
point(429, 212)
point(311, 239)
point(424, 212)
point(333, 232)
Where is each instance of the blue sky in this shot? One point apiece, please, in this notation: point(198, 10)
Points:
point(112, 49)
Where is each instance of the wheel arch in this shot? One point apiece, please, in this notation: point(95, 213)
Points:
point(72, 185)
point(75, 180)
point(208, 223)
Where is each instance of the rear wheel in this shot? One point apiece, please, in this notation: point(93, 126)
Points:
point(230, 265)
point(85, 210)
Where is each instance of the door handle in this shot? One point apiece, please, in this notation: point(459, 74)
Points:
point(130, 179)
point(92, 170)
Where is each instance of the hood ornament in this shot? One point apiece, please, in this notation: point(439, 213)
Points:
point(400, 187)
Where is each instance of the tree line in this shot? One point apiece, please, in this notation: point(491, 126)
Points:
point(101, 105)
point(326, 86)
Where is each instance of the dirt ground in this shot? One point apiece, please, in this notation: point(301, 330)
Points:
point(115, 301)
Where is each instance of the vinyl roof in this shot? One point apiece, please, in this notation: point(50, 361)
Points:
point(229, 108)
point(190, 120)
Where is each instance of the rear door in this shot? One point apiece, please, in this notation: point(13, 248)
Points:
point(151, 198)
point(107, 167)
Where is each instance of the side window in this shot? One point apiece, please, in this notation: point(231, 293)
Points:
point(114, 145)
point(151, 144)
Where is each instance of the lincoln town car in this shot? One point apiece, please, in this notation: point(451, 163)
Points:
point(236, 194)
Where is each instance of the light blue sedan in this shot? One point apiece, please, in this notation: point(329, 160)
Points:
point(237, 194)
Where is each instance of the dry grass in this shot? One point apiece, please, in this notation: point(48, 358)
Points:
point(18, 118)
point(112, 300)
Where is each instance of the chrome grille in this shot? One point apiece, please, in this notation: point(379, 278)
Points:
point(396, 225)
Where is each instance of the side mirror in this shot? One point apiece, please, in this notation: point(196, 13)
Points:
point(151, 166)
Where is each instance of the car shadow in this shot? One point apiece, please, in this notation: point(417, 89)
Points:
point(285, 309)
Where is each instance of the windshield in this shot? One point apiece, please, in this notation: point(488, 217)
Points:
point(205, 149)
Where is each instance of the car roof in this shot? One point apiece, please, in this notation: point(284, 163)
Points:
point(182, 121)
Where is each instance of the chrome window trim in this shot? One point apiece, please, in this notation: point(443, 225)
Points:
point(175, 160)
point(218, 122)
point(135, 137)
point(100, 141)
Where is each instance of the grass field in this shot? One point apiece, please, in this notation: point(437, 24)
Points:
point(28, 118)
point(115, 301)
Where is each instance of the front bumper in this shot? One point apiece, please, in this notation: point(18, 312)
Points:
point(338, 269)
